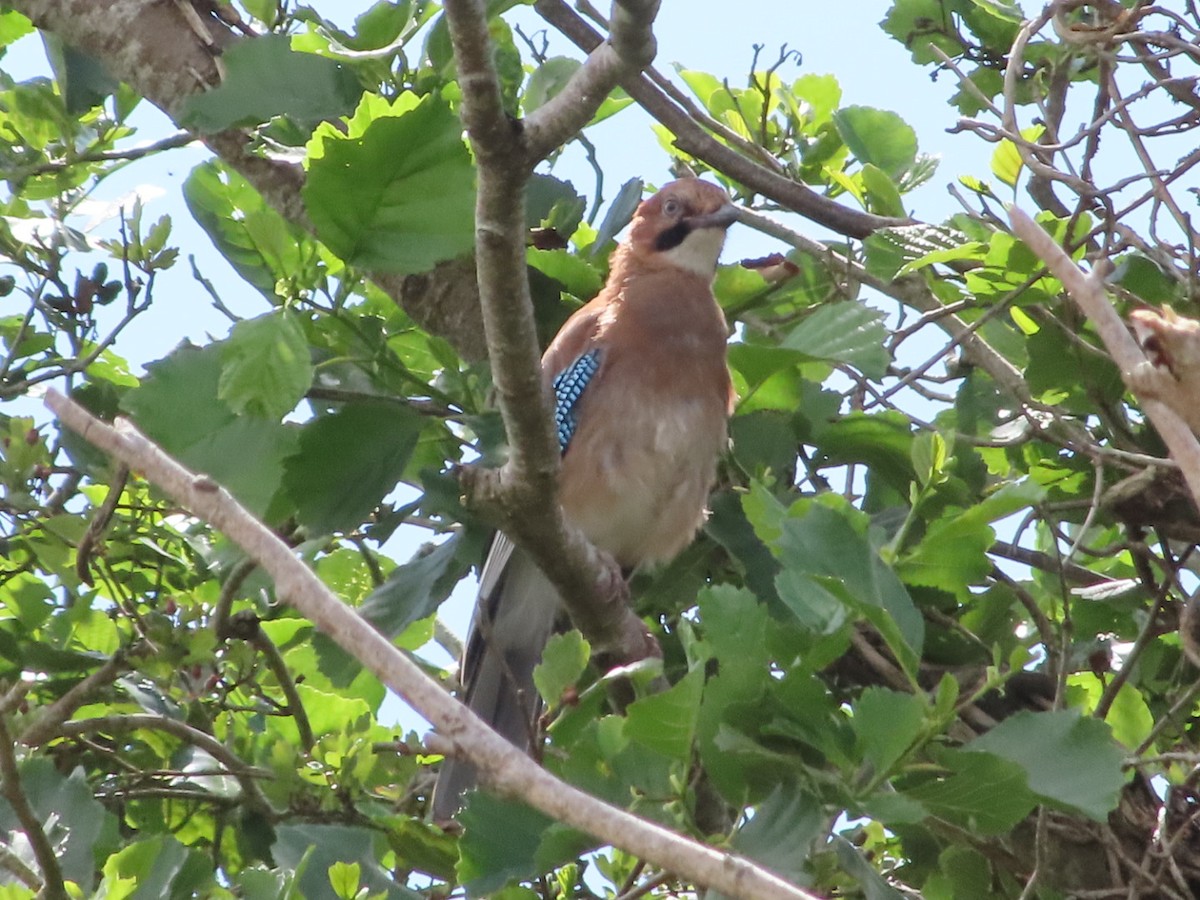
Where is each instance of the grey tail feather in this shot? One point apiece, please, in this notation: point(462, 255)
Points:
point(512, 623)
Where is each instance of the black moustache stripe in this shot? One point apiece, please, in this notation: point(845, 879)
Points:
point(672, 237)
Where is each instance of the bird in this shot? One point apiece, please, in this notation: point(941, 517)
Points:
point(642, 396)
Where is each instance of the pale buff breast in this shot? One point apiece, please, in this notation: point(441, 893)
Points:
point(640, 493)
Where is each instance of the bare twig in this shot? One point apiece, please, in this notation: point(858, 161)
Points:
point(10, 788)
point(47, 725)
point(244, 774)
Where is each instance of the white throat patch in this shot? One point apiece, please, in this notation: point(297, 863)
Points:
point(699, 252)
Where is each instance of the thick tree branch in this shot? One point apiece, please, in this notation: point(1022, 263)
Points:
point(691, 138)
point(523, 494)
point(500, 764)
point(1088, 293)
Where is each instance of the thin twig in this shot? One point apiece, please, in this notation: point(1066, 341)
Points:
point(12, 791)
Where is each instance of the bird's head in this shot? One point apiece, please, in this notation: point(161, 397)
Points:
point(683, 225)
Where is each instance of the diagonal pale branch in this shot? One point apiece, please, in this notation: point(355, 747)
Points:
point(504, 768)
point(1088, 293)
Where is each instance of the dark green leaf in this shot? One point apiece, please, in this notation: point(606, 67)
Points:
point(73, 819)
point(620, 212)
point(177, 407)
point(980, 791)
point(265, 78)
point(414, 590)
point(1070, 761)
point(819, 549)
point(324, 845)
point(781, 834)
point(503, 841)
point(347, 462)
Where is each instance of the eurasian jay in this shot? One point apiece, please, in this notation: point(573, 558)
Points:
point(642, 396)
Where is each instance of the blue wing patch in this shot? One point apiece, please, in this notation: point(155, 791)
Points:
point(569, 385)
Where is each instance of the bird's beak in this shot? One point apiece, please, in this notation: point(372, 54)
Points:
point(722, 218)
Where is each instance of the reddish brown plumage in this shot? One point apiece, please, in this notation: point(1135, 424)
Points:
point(652, 422)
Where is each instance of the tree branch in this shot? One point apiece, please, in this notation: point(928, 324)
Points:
point(523, 494)
point(501, 766)
point(630, 49)
point(10, 788)
point(691, 138)
point(1088, 293)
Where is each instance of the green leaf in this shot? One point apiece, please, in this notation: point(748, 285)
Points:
point(260, 245)
point(573, 272)
point(414, 590)
point(82, 79)
point(157, 867)
point(73, 819)
point(547, 80)
point(906, 248)
point(882, 441)
point(321, 846)
point(553, 203)
point(13, 26)
point(1129, 717)
point(846, 332)
point(265, 78)
point(1069, 760)
point(265, 366)
point(563, 661)
point(400, 197)
point(824, 556)
point(1006, 159)
point(666, 722)
point(178, 408)
point(504, 840)
point(781, 834)
point(344, 878)
point(619, 214)
point(878, 137)
point(952, 555)
point(887, 723)
point(882, 194)
point(874, 886)
point(921, 25)
point(347, 462)
point(980, 791)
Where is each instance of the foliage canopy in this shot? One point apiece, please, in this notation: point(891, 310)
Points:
point(929, 640)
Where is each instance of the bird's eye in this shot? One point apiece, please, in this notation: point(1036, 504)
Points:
point(672, 207)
